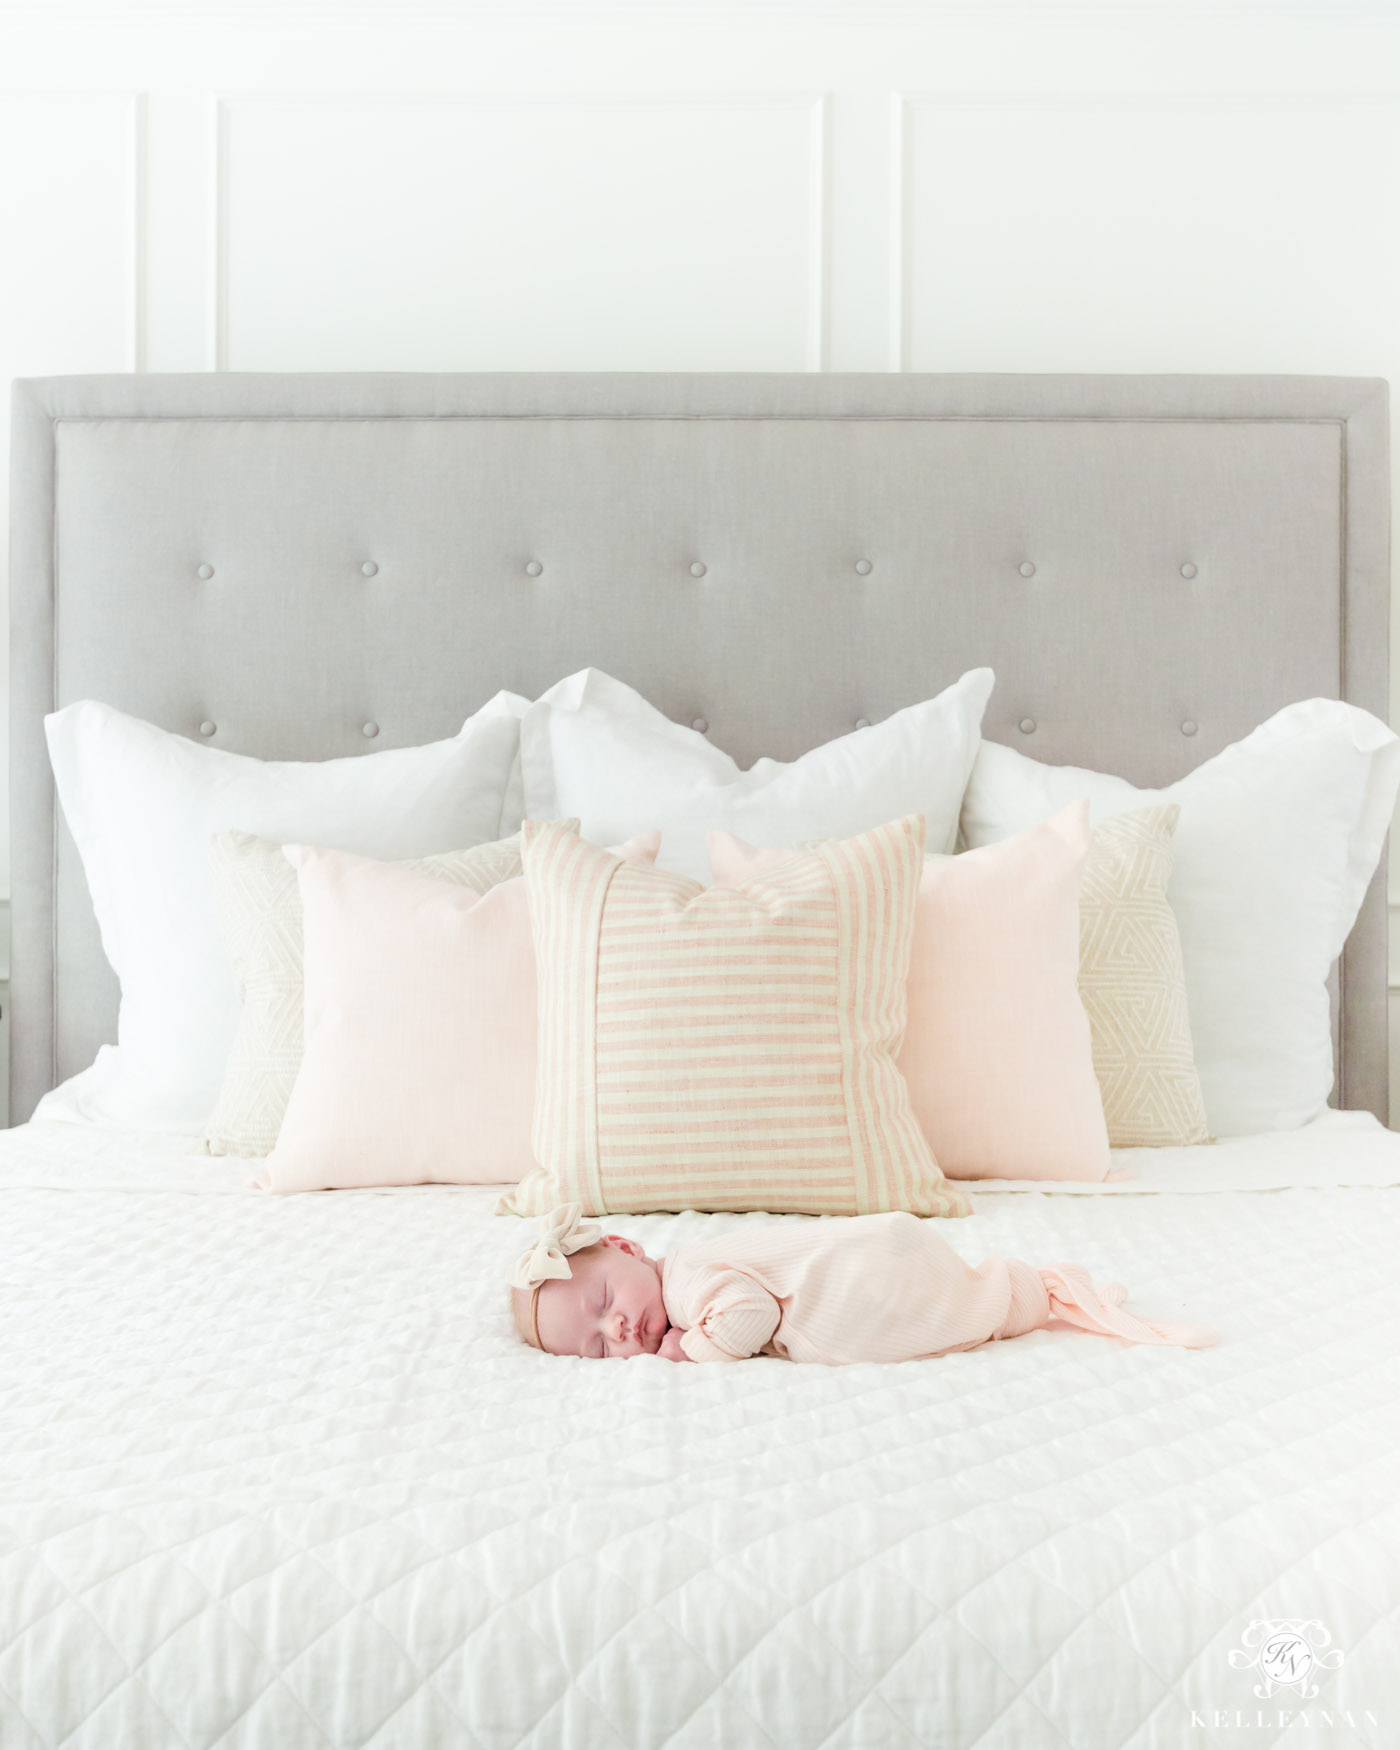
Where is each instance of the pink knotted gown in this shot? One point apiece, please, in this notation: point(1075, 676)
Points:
point(876, 1288)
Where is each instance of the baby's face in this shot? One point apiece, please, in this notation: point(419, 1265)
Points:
point(610, 1305)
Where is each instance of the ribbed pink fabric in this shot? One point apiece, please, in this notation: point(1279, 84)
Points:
point(882, 1287)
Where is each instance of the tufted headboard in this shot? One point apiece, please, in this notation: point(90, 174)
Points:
point(303, 566)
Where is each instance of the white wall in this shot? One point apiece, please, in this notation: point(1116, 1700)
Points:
point(650, 184)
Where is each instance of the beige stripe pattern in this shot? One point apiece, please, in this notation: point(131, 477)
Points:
point(726, 1048)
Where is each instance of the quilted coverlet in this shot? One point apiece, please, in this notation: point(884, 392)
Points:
point(276, 1472)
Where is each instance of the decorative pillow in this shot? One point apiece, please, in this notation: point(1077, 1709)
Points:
point(1130, 982)
point(1133, 984)
point(726, 1048)
point(997, 1051)
point(141, 805)
point(593, 747)
point(1278, 839)
point(419, 1062)
point(258, 903)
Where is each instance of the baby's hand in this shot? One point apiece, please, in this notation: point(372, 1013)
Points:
point(670, 1349)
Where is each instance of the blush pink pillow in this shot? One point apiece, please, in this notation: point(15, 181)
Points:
point(419, 1063)
point(997, 1052)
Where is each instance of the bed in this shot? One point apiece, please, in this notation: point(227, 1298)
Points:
point(278, 1472)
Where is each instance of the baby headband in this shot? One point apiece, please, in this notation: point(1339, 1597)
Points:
point(561, 1232)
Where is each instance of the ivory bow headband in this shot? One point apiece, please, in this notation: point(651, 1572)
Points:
point(561, 1233)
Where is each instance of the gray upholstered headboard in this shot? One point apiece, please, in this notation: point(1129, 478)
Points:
point(1151, 564)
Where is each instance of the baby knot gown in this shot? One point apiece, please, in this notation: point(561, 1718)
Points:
point(876, 1288)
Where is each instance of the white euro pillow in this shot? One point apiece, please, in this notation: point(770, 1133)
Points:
point(142, 803)
point(594, 748)
point(1278, 839)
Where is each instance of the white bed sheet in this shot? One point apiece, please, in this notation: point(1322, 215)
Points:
point(277, 1472)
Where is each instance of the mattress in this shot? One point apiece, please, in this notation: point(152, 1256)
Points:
point(277, 1472)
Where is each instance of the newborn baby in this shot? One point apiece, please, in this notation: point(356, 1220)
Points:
point(856, 1288)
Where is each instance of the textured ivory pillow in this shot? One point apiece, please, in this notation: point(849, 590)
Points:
point(1130, 982)
point(1278, 840)
point(726, 1048)
point(419, 1063)
point(997, 1052)
point(258, 904)
point(1133, 984)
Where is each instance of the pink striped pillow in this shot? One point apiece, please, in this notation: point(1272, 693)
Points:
point(726, 1048)
point(997, 1052)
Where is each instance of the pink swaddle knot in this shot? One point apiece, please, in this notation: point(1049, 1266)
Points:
point(1066, 1291)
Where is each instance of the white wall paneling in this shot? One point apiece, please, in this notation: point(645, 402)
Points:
point(554, 232)
point(1208, 230)
point(979, 185)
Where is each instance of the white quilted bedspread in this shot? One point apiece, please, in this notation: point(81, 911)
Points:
point(276, 1472)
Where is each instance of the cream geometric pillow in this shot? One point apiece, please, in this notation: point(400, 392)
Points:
point(258, 903)
point(1132, 983)
point(727, 1047)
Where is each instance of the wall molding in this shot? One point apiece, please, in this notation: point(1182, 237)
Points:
point(139, 217)
point(904, 103)
point(223, 105)
point(137, 161)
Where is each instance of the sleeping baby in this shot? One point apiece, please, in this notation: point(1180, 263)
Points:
point(857, 1288)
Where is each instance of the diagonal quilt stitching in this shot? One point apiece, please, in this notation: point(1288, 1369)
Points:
point(702, 1658)
point(1159, 1556)
point(365, 1602)
point(430, 1674)
point(171, 1551)
point(132, 1673)
point(1022, 1693)
point(1174, 1692)
point(18, 1711)
point(279, 1680)
point(947, 1409)
point(841, 1725)
point(982, 1580)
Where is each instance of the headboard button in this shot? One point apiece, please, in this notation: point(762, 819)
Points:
point(533, 568)
point(370, 731)
point(369, 568)
point(1027, 726)
point(207, 728)
point(206, 572)
point(862, 723)
point(701, 726)
point(1188, 727)
point(1027, 569)
point(864, 567)
point(1188, 569)
point(697, 569)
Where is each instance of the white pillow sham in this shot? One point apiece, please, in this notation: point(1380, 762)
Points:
point(141, 804)
point(592, 747)
point(1278, 839)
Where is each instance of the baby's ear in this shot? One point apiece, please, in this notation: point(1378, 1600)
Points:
point(633, 1248)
